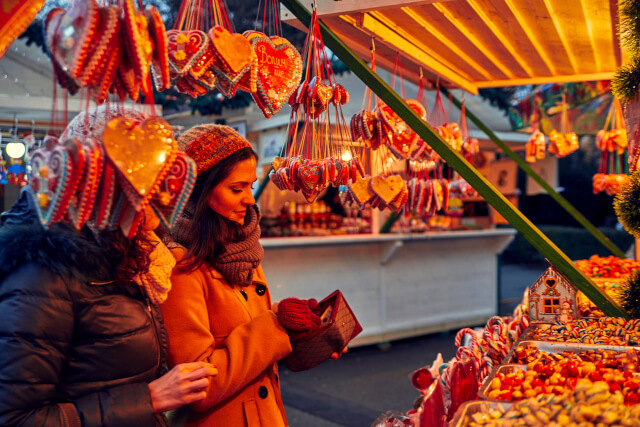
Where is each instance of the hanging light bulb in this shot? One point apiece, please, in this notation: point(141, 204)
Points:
point(15, 150)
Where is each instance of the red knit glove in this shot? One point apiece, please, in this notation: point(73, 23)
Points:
point(298, 317)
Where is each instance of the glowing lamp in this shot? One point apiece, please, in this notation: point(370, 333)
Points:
point(15, 150)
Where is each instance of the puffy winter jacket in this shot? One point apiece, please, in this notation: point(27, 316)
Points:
point(69, 335)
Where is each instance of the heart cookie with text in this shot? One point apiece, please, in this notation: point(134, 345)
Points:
point(279, 70)
point(142, 153)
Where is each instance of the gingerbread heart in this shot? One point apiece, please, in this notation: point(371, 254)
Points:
point(403, 140)
point(233, 51)
point(51, 23)
point(106, 36)
point(173, 194)
point(73, 33)
point(127, 76)
point(52, 182)
point(110, 70)
point(142, 153)
point(360, 191)
point(279, 71)
point(160, 55)
point(81, 204)
point(310, 176)
point(136, 39)
point(184, 47)
point(386, 188)
point(15, 17)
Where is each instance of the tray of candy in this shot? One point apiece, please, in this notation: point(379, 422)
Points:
point(619, 334)
point(478, 412)
point(483, 392)
point(594, 352)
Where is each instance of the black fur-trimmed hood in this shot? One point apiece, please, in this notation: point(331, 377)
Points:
point(62, 249)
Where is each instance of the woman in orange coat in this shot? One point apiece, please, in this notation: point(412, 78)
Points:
point(219, 309)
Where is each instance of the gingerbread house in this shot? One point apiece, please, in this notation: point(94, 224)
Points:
point(552, 298)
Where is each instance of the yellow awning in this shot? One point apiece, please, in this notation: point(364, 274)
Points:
point(475, 44)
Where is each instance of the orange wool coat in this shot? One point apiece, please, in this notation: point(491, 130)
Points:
point(209, 319)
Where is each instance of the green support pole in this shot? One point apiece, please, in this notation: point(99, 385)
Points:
point(549, 189)
point(541, 242)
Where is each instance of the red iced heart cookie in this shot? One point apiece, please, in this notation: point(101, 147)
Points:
point(71, 35)
point(309, 176)
point(169, 201)
point(279, 71)
point(52, 182)
point(110, 69)
point(184, 47)
point(160, 55)
point(81, 204)
point(136, 39)
point(403, 140)
point(15, 17)
point(106, 36)
point(127, 77)
point(142, 153)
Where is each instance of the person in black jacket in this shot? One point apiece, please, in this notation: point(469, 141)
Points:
point(81, 343)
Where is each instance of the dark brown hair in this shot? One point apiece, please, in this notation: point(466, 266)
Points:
point(205, 232)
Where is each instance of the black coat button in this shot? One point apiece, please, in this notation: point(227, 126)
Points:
point(263, 392)
point(244, 294)
point(261, 289)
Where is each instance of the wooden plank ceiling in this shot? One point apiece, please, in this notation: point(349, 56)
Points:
point(473, 44)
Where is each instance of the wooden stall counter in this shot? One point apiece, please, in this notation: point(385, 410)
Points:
point(399, 285)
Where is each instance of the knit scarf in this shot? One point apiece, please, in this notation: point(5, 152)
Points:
point(239, 258)
point(157, 281)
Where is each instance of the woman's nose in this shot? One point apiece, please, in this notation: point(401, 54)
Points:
point(249, 200)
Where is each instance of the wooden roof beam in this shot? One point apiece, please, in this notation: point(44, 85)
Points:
point(327, 8)
point(561, 35)
point(532, 37)
point(500, 36)
point(388, 36)
point(475, 41)
point(454, 48)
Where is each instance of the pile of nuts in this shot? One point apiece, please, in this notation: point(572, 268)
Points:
point(628, 360)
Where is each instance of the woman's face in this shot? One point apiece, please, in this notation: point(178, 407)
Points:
point(233, 195)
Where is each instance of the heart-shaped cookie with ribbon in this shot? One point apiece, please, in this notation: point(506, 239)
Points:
point(175, 189)
point(53, 183)
point(160, 55)
point(387, 188)
point(234, 57)
point(142, 153)
point(71, 34)
point(136, 39)
point(403, 140)
point(184, 47)
point(81, 204)
point(15, 17)
point(279, 71)
point(106, 36)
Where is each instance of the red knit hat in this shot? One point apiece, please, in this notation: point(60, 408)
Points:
point(208, 144)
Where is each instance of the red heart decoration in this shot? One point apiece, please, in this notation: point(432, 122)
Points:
point(184, 48)
point(72, 35)
point(15, 17)
point(310, 176)
point(106, 36)
point(53, 181)
point(403, 140)
point(136, 39)
point(127, 76)
point(110, 70)
point(81, 204)
point(173, 194)
point(160, 55)
point(279, 71)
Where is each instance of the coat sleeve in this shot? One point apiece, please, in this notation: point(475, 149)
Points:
point(244, 354)
point(36, 332)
